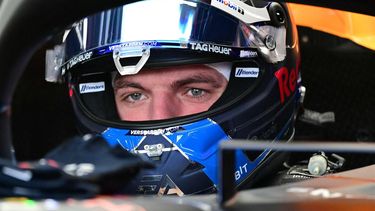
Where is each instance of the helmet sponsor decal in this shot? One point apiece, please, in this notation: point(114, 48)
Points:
point(287, 82)
point(210, 48)
point(163, 131)
point(248, 54)
point(240, 170)
point(231, 5)
point(92, 87)
point(133, 44)
point(247, 72)
point(79, 59)
point(242, 11)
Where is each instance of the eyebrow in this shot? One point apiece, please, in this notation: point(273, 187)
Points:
point(197, 79)
point(189, 80)
point(119, 84)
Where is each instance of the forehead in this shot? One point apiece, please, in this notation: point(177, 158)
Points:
point(175, 72)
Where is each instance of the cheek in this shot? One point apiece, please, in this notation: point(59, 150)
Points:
point(129, 114)
point(189, 107)
point(120, 109)
point(192, 108)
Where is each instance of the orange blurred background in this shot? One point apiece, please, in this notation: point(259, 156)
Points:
point(357, 27)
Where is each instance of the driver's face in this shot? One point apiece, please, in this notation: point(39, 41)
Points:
point(167, 92)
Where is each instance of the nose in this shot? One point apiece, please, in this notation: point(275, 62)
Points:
point(164, 106)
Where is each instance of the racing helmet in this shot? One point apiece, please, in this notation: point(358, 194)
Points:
point(253, 42)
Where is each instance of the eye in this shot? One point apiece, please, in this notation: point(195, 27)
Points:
point(196, 92)
point(134, 97)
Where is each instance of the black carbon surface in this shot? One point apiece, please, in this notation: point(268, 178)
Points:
point(339, 76)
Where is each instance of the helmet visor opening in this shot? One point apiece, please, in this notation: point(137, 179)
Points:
point(166, 93)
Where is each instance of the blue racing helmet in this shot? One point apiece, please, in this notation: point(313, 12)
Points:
point(255, 40)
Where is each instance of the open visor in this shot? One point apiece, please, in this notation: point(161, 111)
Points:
point(133, 30)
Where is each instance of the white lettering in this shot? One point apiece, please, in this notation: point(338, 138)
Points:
point(78, 59)
point(155, 132)
point(231, 5)
point(210, 48)
point(133, 44)
point(244, 167)
point(237, 175)
point(248, 54)
point(241, 171)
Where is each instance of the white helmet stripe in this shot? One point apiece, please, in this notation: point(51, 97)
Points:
point(242, 11)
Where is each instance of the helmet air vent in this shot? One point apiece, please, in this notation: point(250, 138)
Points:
point(125, 52)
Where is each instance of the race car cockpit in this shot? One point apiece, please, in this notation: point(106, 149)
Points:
point(193, 98)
